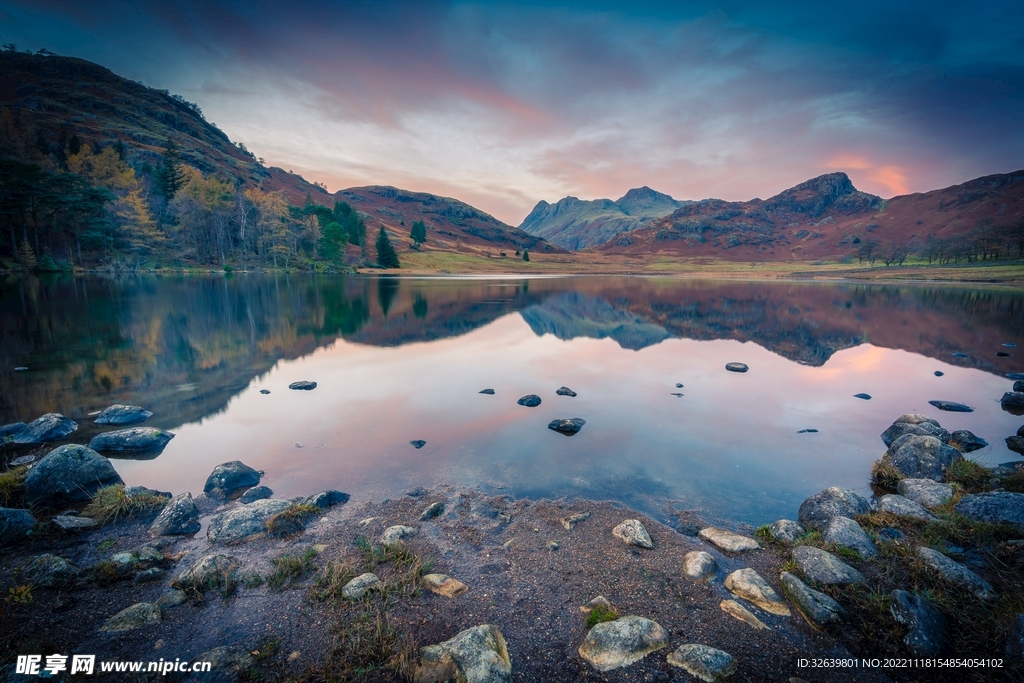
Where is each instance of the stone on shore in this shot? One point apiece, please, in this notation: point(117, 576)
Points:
point(956, 573)
point(904, 507)
point(632, 532)
point(50, 571)
point(476, 655)
point(256, 493)
point(1018, 385)
point(926, 492)
point(530, 401)
point(302, 386)
point(736, 367)
point(966, 441)
point(927, 634)
point(229, 477)
point(69, 474)
point(565, 391)
point(818, 510)
point(846, 532)
point(433, 510)
point(1016, 443)
point(615, 644)
point(138, 615)
point(998, 507)
point(326, 499)
point(74, 523)
point(916, 419)
point(49, 427)
point(1012, 402)
point(600, 602)
point(706, 663)
point(442, 584)
point(228, 664)
point(11, 429)
point(210, 572)
point(727, 540)
point(952, 406)
point(922, 457)
point(785, 531)
point(824, 567)
point(567, 425)
point(359, 586)
point(397, 534)
point(699, 565)
point(172, 598)
point(179, 517)
point(738, 611)
point(817, 608)
point(132, 440)
point(244, 522)
point(118, 414)
point(898, 429)
point(572, 520)
point(748, 584)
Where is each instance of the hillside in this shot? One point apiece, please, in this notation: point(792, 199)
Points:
point(574, 223)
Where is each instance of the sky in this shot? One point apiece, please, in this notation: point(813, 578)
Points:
point(504, 104)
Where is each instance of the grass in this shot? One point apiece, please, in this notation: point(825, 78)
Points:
point(292, 520)
point(884, 475)
point(253, 580)
point(764, 535)
point(599, 614)
point(290, 569)
point(106, 545)
point(12, 486)
point(1013, 482)
point(969, 475)
point(111, 503)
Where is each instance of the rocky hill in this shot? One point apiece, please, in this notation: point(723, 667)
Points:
point(574, 223)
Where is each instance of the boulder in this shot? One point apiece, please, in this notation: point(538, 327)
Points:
point(118, 414)
point(785, 531)
point(244, 522)
point(567, 425)
point(922, 457)
point(738, 611)
point(699, 566)
point(179, 517)
point(11, 429)
point(1014, 649)
point(476, 655)
point(736, 367)
point(132, 440)
point(819, 509)
point(952, 406)
point(530, 401)
point(632, 532)
point(927, 634)
point(15, 525)
point(69, 474)
point(999, 507)
point(302, 386)
point(433, 510)
point(966, 441)
point(915, 419)
point(49, 427)
point(50, 571)
point(133, 491)
point(748, 584)
point(615, 644)
point(359, 586)
point(956, 573)
point(904, 507)
point(1018, 385)
point(149, 575)
point(138, 615)
point(817, 608)
point(227, 665)
point(74, 522)
point(898, 429)
point(172, 598)
point(727, 540)
point(442, 584)
point(1016, 443)
point(846, 532)
point(1015, 375)
point(211, 572)
point(928, 493)
point(1012, 402)
point(397, 533)
point(229, 477)
point(256, 493)
point(824, 567)
point(565, 391)
point(326, 499)
point(706, 663)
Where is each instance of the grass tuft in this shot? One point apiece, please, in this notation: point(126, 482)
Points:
point(885, 475)
point(292, 520)
point(971, 477)
point(290, 569)
point(330, 580)
point(111, 503)
point(12, 486)
point(599, 614)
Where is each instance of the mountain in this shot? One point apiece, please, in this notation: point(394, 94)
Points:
point(828, 218)
point(573, 223)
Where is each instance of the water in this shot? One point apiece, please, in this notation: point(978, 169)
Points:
point(404, 359)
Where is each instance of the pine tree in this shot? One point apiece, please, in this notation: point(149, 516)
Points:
point(418, 232)
point(26, 255)
point(526, 254)
point(386, 255)
point(170, 177)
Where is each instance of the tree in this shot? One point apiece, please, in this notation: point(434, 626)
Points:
point(386, 255)
point(418, 232)
point(170, 176)
point(526, 254)
point(867, 250)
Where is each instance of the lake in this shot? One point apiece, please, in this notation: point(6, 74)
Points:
point(401, 359)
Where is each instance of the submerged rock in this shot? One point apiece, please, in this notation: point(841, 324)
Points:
point(922, 457)
point(615, 644)
point(706, 663)
point(846, 532)
point(956, 573)
point(118, 414)
point(565, 391)
point(15, 525)
point(999, 507)
point(302, 386)
point(69, 474)
point(817, 608)
point(926, 492)
point(567, 425)
point(927, 634)
point(229, 477)
point(49, 427)
point(632, 532)
point(727, 540)
point(530, 401)
point(132, 440)
point(785, 531)
point(138, 615)
point(476, 655)
point(818, 510)
point(748, 584)
point(248, 521)
point(952, 406)
point(736, 367)
point(824, 567)
point(179, 517)
point(699, 565)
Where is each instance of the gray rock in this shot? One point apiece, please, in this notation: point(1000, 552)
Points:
point(149, 575)
point(326, 499)
point(358, 587)
point(229, 477)
point(1015, 444)
point(227, 665)
point(706, 663)
point(926, 492)
point(927, 634)
point(489, 392)
point(952, 406)
point(1018, 385)
point(966, 442)
point(567, 425)
point(397, 533)
point(302, 386)
point(916, 419)
point(571, 521)
point(632, 532)
point(824, 567)
point(118, 414)
point(432, 510)
point(69, 474)
point(138, 615)
point(727, 540)
point(699, 566)
point(904, 507)
point(172, 598)
point(74, 522)
point(133, 491)
point(1014, 649)
point(999, 507)
point(898, 429)
point(256, 493)
point(23, 460)
point(748, 584)
point(863, 397)
point(786, 531)
point(244, 522)
point(817, 608)
point(615, 644)
point(11, 429)
point(890, 535)
point(736, 367)
point(179, 517)
point(530, 401)
point(819, 509)
point(49, 427)
point(565, 391)
point(738, 611)
point(476, 655)
point(1012, 402)
point(922, 457)
point(15, 525)
point(846, 532)
point(50, 571)
point(211, 572)
point(132, 440)
point(956, 573)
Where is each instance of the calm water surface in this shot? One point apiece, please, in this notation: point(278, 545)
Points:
point(403, 359)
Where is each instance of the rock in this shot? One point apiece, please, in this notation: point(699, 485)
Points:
point(432, 510)
point(1000, 507)
point(952, 406)
point(179, 517)
point(212, 571)
point(939, 373)
point(23, 460)
point(476, 655)
point(922, 457)
point(302, 386)
point(132, 440)
point(240, 523)
point(49, 427)
point(264, 391)
point(118, 414)
point(928, 493)
point(133, 491)
point(891, 535)
point(418, 443)
point(706, 663)
point(326, 499)
point(819, 509)
point(1012, 402)
point(229, 477)
point(727, 540)
point(1014, 649)
point(699, 565)
point(227, 664)
point(530, 401)
point(565, 391)
point(74, 523)
point(904, 507)
point(397, 533)
point(445, 585)
point(898, 429)
point(786, 531)
point(748, 584)
point(15, 525)
point(679, 385)
point(171, 598)
point(927, 634)
point(572, 520)
point(736, 367)
point(358, 587)
point(600, 602)
point(846, 532)
point(416, 492)
point(1015, 375)
point(256, 493)
point(956, 573)
point(916, 419)
point(567, 425)
point(1003, 354)
point(69, 474)
point(735, 609)
point(1015, 444)
point(965, 441)
point(1018, 385)
point(615, 644)
point(824, 567)
point(50, 571)
point(11, 429)
point(807, 431)
point(489, 392)
point(632, 532)
point(138, 615)
point(148, 575)
point(863, 397)
point(817, 608)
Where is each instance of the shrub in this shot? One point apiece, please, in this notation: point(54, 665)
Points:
point(111, 503)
